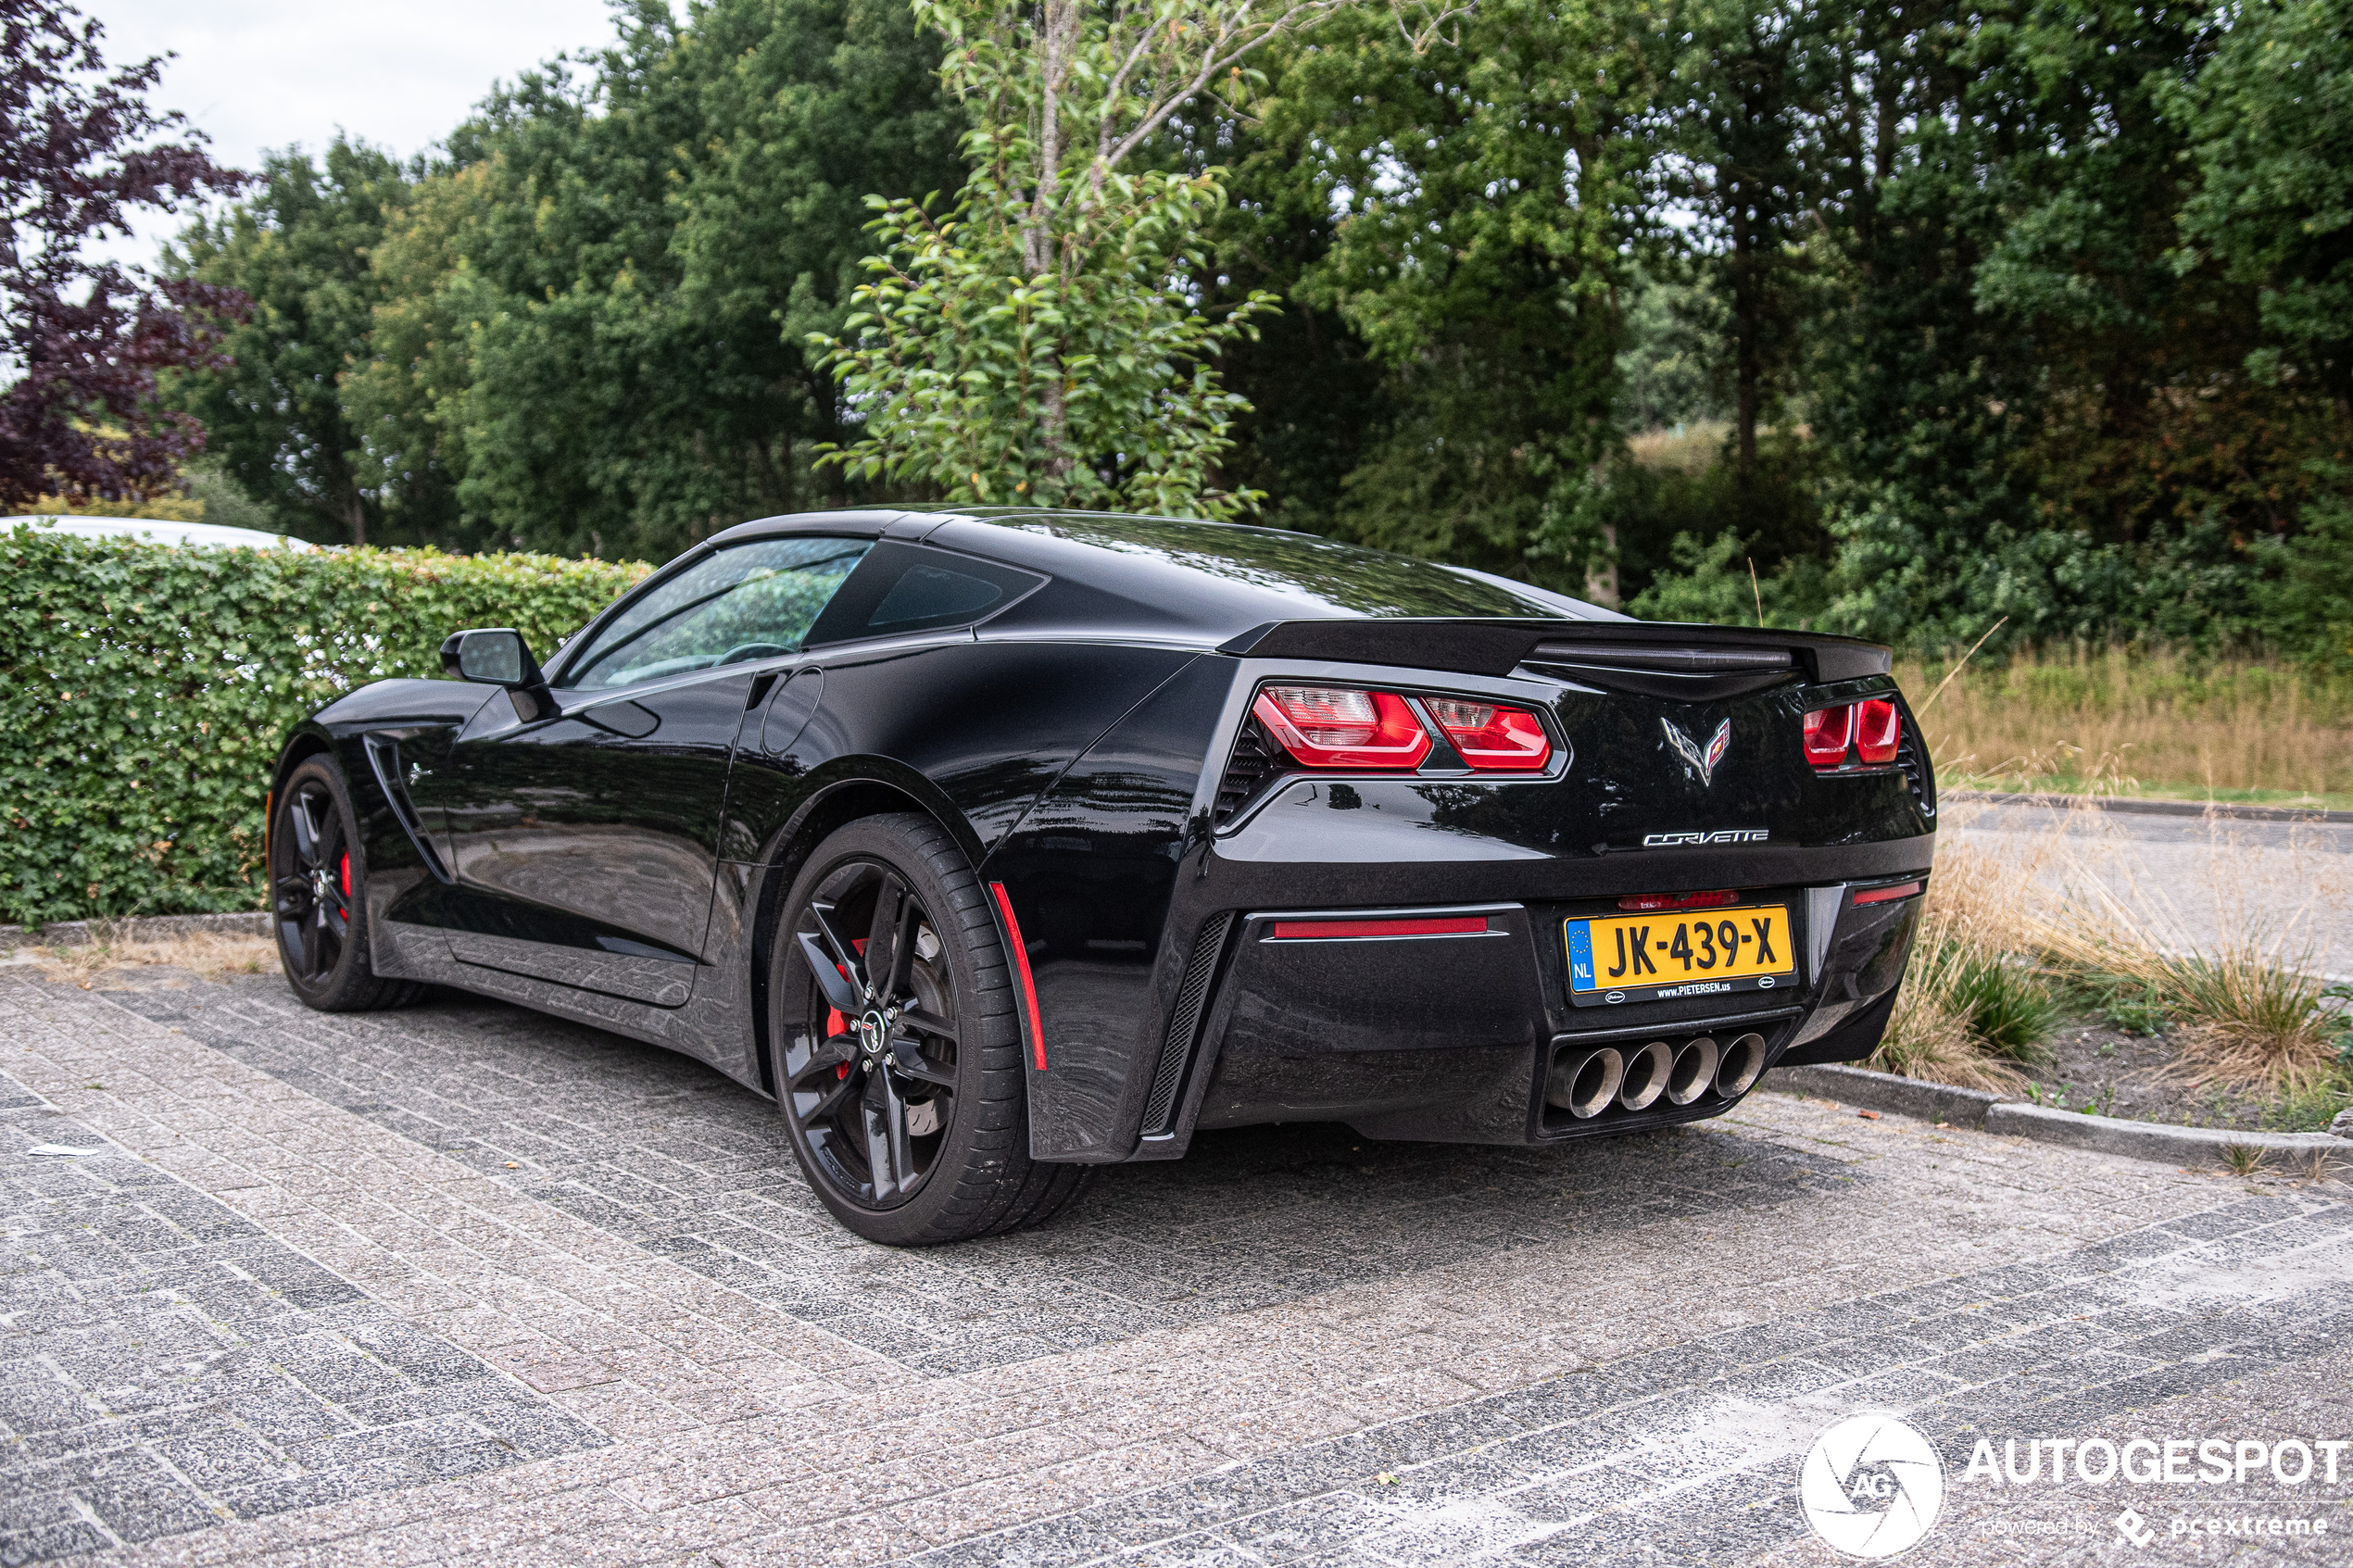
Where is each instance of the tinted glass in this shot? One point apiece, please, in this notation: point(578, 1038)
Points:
point(1303, 566)
point(754, 600)
point(904, 587)
point(930, 593)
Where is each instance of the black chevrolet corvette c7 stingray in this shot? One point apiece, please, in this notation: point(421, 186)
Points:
point(1000, 845)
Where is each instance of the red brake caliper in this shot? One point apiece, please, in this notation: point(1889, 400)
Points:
point(347, 873)
point(835, 1024)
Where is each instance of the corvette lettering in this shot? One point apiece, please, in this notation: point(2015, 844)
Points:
point(1722, 836)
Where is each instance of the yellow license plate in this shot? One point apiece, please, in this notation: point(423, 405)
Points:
point(1679, 953)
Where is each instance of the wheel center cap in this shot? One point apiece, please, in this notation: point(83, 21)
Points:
point(874, 1030)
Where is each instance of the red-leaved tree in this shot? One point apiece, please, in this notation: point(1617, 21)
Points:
point(80, 340)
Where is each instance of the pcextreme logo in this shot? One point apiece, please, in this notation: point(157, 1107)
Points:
point(1872, 1486)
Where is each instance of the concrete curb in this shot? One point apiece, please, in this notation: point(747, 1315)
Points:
point(132, 928)
point(2135, 806)
point(2199, 1147)
point(1885, 1091)
point(2155, 1140)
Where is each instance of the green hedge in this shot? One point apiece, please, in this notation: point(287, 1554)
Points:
point(145, 692)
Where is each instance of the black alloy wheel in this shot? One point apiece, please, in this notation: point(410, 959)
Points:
point(318, 880)
point(874, 1072)
point(898, 1049)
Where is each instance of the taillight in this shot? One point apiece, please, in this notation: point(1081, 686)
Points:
point(1827, 733)
point(1876, 731)
point(1873, 727)
point(1505, 739)
point(1341, 727)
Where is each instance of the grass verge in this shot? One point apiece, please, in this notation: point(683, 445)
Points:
point(2148, 722)
point(206, 953)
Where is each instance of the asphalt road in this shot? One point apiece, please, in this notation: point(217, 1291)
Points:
point(2199, 882)
point(463, 1284)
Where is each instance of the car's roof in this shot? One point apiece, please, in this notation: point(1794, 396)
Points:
point(158, 530)
point(1197, 576)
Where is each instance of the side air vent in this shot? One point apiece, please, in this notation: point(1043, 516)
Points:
point(1184, 1024)
point(1911, 758)
point(384, 759)
point(1686, 674)
point(1245, 771)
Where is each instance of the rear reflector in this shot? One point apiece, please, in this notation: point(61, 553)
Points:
point(1417, 925)
point(1643, 902)
point(1492, 738)
point(1343, 727)
point(1887, 895)
point(1021, 967)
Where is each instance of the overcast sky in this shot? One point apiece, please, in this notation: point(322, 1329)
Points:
point(263, 73)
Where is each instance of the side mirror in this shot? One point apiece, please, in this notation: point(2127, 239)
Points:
point(495, 656)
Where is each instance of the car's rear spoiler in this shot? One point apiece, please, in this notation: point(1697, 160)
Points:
point(1661, 659)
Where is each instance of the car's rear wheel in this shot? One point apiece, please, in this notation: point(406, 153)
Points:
point(319, 896)
point(897, 1047)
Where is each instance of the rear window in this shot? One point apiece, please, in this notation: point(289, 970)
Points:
point(1323, 571)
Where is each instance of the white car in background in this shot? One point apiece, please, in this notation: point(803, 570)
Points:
point(157, 531)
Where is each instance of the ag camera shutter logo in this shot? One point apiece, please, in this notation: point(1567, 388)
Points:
point(1871, 1487)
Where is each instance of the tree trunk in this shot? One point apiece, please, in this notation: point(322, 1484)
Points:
point(1601, 579)
point(1748, 323)
point(355, 512)
point(1059, 23)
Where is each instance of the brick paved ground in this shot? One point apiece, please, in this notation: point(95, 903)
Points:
point(464, 1284)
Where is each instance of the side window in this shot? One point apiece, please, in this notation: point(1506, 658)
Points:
point(754, 600)
point(902, 587)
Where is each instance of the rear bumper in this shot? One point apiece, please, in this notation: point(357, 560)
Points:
point(1469, 1036)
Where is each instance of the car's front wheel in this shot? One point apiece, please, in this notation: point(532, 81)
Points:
point(898, 1046)
point(318, 896)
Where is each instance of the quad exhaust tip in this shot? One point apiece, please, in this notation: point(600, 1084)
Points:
point(1645, 1076)
point(1694, 1074)
point(1743, 1060)
point(1584, 1084)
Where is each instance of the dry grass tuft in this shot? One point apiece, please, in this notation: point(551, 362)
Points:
point(2254, 1012)
point(2255, 1009)
point(1696, 448)
point(1964, 979)
point(206, 953)
point(1930, 1038)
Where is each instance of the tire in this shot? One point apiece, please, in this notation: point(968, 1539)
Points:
point(319, 896)
point(908, 1112)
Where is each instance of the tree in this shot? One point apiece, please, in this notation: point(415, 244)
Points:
point(2038, 407)
point(579, 327)
point(301, 250)
point(1749, 86)
point(1037, 345)
point(2271, 127)
point(1914, 391)
point(1498, 182)
point(79, 148)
